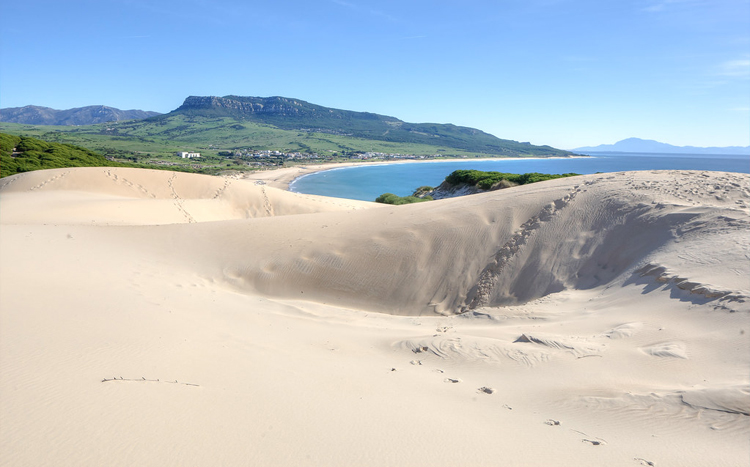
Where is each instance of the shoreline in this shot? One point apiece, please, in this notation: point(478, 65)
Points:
point(284, 177)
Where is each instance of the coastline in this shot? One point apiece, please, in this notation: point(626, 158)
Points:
point(283, 178)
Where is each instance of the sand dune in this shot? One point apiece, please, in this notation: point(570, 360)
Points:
point(151, 317)
point(148, 197)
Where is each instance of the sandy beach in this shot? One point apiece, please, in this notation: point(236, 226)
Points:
point(283, 177)
point(158, 318)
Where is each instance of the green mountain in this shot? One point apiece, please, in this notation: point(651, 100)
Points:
point(243, 126)
point(297, 115)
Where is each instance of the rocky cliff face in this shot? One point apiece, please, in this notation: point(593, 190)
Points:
point(93, 114)
point(247, 105)
point(281, 110)
point(447, 190)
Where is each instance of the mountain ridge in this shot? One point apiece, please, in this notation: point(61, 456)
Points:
point(636, 145)
point(235, 126)
point(295, 114)
point(89, 115)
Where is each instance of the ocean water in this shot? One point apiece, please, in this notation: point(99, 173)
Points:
point(367, 182)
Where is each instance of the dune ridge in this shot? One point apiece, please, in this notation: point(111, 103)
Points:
point(152, 317)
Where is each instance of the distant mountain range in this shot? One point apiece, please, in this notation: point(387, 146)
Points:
point(651, 146)
point(91, 115)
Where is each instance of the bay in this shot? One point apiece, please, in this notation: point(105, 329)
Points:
point(366, 182)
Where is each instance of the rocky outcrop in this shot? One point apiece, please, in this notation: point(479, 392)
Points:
point(448, 190)
point(246, 105)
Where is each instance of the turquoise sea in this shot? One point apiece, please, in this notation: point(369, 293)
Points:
point(367, 182)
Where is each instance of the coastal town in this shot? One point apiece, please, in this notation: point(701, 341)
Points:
point(260, 159)
point(269, 154)
point(251, 159)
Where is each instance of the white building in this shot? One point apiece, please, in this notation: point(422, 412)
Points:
point(189, 155)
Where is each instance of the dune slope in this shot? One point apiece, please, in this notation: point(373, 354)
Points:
point(150, 318)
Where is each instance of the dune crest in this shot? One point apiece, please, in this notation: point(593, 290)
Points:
point(121, 196)
point(477, 251)
point(501, 248)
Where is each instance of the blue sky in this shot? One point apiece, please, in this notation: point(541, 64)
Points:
point(566, 73)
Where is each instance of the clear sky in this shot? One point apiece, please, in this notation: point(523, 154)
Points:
point(567, 73)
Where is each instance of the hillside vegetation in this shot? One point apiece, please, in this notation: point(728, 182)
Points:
point(466, 182)
point(294, 114)
point(24, 154)
point(488, 180)
point(151, 139)
point(390, 198)
point(227, 129)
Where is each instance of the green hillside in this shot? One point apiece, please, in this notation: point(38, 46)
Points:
point(217, 127)
point(142, 140)
point(295, 114)
point(24, 154)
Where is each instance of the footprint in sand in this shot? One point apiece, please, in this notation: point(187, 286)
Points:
point(452, 380)
point(594, 441)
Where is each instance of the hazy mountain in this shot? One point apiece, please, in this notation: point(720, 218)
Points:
point(294, 114)
point(651, 146)
point(35, 115)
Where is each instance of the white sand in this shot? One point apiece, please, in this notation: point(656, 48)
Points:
point(154, 318)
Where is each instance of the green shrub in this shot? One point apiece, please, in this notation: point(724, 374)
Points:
point(8, 142)
point(35, 154)
point(390, 198)
point(486, 180)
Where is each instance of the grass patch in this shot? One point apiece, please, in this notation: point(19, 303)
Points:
point(390, 198)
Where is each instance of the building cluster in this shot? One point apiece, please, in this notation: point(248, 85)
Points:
point(189, 155)
point(258, 157)
point(257, 154)
point(384, 156)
